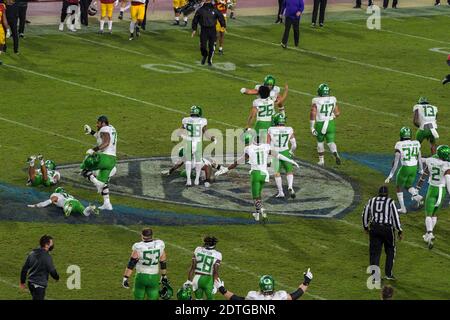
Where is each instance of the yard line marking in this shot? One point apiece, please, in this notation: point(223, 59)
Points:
point(338, 58)
point(358, 242)
point(279, 248)
point(16, 286)
point(228, 265)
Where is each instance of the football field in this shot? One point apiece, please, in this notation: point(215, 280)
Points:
point(61, 81)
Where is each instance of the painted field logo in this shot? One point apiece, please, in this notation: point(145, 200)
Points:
point(320, 192)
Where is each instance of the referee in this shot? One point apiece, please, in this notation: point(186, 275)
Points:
point(380, 218)
point(207, 16)
point(37, 267)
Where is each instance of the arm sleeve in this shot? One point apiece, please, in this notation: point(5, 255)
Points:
point(24, 272)
point(366, 215)
point(281, 157)
point(447, 182)
point(235, 297)
point(196, 20)
point(222, 22)
point(52, 269)
point(395, 164)
point(293, 144)
point(302, 6)
point(396, 218)
point(44, 204)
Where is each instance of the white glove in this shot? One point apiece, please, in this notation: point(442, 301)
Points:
point(165, 172)
point(87, 129)
point(314, 132)
point(187, 283)
point(296, 164)
point(8, 33)
point(31, 205)
point(90, 152)
point(222, 170)
point(308, 276)
point(218, 283)
point(388, 179)
point(243, 90)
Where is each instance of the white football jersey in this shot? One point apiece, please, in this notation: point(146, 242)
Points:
point(194, 127)
point(258, 156)
point(409, 152)
point(265, 109)
point(437, 169)
point(53, 175)
point(62, 197)
point(206, 259)
point(427, 115)
point(273, 93)
point(149, 255)
point(279, 137)
point(111, 148)
point(277, 295)
point(325, 108)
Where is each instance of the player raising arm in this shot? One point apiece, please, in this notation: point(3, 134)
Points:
point(267, 289)
point(46, 175)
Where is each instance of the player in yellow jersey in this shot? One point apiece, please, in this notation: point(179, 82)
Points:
point(2, 29)
point(177, 6)
point(137, 16)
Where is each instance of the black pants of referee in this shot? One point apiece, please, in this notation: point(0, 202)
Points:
point(12, 15)
point(208, 37)
point(37, 292)
point(386, 3)
point(322, 4)
point(84, 16)
point(295, 23)
point(144, 22)
point(382, 235)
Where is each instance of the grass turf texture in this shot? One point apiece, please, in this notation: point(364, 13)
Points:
point(58, 89)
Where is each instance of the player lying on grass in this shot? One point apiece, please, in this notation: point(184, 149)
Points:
point(46, 175)
point(279, 138)
point(149, 258)
point(407, 152)
point(101, 159)
point(204, 269)
point(269, 81)
point(324, 110)
point(256, 154)
point(267, 289)
point(425, 116)
point(67, 202)
point(437, 168)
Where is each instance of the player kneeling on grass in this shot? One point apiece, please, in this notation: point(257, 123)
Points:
point(267, 289)
point(101, 158)
point(407, 151)
point(425, 116)
point(3, 27)
point(323, 112)
point(46, 175)
point(137, 12)
point(107, 8)
point(279, 138)
point(204, 269)
point(437, 168)
point(149, 258)
point(67, 202)
point(257, 155)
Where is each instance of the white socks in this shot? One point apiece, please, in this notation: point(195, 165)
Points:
point(109, 25)
point(413, 191)
point(198, 171)
point(102, 24)
point(279, 184)
point(290, 180)
point(429, 224)
point(401, 201)
point(132, 26)
point(188, 166)
point(434, 220)
point(333, 147)
point(97, 183)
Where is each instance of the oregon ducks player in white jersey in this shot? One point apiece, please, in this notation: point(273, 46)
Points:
point(437, 168)
point(195, 128)
point(279, 138)
point(407, 152)
point(267, 289)
point(425, 116)
point(67, 202)
point(101, 158)
point(256, 155)
point(149, 258)
point(324, 110)
point(204, 269)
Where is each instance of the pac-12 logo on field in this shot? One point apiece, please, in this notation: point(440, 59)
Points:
point(320, 192)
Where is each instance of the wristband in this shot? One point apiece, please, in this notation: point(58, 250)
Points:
point(222, 290)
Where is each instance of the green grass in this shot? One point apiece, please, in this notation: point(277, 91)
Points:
point(59, 82)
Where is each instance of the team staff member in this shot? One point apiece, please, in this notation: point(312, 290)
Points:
point(84, 8)
point(447, 77)
point(12, 16)
point(293, 10)
point(37, 267)
point(323, 5)
point(207, 16)
point(137, 12)
point(4, 23)
point(380, 218)
point(22, 7)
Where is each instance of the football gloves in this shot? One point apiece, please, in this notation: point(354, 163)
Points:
point(87, 129)
point(388, 179)
point(165, 172)
point(125, 283)
point(307, 277)
point(222, 170)
point(187, 283)
point(164, 280)
point(90, 152)
point(8, 33)
point(243, 90)
point(218, 283)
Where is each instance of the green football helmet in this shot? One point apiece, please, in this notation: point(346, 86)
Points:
point(67, 208)
point(51, 165)
point(266, 284)
point(279, 119)
point(196, 111)
point(443, 152)
point(269, 80)
point(185, 293)
point(247, 137)
point(423, 100)
point(323, 90)
point(166, 291)
point(59, 190)
point(405, 133)
point(90, 161)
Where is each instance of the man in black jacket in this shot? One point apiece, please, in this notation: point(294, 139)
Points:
point(22, 7)
point(37, 267)
point(447, 77)
point(207, 16)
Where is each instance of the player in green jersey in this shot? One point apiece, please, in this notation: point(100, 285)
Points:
point(45, 175)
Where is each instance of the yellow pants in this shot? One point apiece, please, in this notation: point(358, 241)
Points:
point(2, 38)
point(137, 12)
point(179, 3)
point(107, 9)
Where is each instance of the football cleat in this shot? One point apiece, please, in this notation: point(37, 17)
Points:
point(263, 215)
point(321, 163)
point(338, 159)
point(40, 157)
point(280, 195)
point(402, 210)
point(292, 193)
point(94, 209)
point(203, 60)
point(165, 172)
point(131, 37)
point(61, 27)
point(207, 184)
point(100, 32)
point(106, 206)
point(391, 277)
point(121, 15)
point(188, 183)
point(220, 51)
point(31, 159)
point(176, 23)
point(256, 216)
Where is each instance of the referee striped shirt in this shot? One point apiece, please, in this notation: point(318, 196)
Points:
point(381, 210)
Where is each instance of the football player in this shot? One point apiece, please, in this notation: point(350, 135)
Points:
point(267, 289)
point(149, 258)
point(107, 8)
point(67, 202)
point(137, 12)
point(185, 292)
point(194, 128)
point(279, 137)
point(3, 27)
point(262, 111)
point(324, 110)
point(447, 77)
point(257, 155)
point(407, 152)
point(124, 6)
point(425, 116)
point(177, 6)
point(204, 269)
point(46, 175)
point(101, 158)
point(221, 5)
point(437, 168)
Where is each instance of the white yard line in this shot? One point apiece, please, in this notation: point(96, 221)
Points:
point(225, 264)
point(9, 283)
